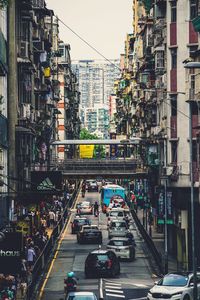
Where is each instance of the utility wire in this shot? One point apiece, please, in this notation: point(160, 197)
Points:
point(173, 106)
point(97, 51)
point(88, 44)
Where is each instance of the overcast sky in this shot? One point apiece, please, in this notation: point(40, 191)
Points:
point(103, 23)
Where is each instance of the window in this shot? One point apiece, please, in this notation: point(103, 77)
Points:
point(192, 50)
point(173, 11)
point(193, 9)
point(174, 105)
point(160, 59)
point(194, 151)
point(174, 145)
point(173, 58)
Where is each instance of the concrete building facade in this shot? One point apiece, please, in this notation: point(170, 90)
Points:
point(152, 102)
point(3, 119)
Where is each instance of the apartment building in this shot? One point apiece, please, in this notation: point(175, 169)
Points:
point(3, 119)
point(152, 102)
point(96, 84)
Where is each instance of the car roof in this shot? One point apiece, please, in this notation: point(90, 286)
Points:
point(117, 221)
point(99, 251)
point(81, 294)
point(90, 226)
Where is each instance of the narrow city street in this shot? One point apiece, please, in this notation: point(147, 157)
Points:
point(135, 278)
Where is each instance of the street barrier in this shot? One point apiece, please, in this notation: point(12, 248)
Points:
point(43, 259)
point(156, 255)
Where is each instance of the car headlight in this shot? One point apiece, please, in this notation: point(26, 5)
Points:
point(178, 293)
point(149, 292)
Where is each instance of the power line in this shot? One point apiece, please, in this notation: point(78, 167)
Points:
point(88, 44)
point(97, 51)
point(173, 106)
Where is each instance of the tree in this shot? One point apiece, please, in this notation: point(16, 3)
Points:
point(99, 150)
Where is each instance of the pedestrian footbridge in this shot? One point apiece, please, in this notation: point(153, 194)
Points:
point(94, 168)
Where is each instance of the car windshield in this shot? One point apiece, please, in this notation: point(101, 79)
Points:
point(174, 280)
point(119, 243)
point(81, 297)
point(118, 224)
point(81, 221)
point(88, 228)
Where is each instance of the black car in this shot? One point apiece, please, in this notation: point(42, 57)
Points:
point(89, 233)
point(77, 224)
point(102, 263)
point(92, 186)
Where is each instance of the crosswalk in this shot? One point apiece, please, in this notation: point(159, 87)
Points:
point(114, 290)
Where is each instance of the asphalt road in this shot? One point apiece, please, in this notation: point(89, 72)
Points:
point(133, 283)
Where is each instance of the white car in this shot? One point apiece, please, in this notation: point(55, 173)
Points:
point(115, 213)
point(123, 247)
point(84, 208)
point(174, 286)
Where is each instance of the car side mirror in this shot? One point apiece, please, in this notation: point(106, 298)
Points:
point(155, 282)
point(191, 283)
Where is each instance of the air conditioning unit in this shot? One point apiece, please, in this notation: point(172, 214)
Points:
point(24, 51)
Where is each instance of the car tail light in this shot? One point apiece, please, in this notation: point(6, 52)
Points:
point(109, 263)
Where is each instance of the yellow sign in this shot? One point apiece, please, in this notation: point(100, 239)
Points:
point(86, 151)
point(23, 226)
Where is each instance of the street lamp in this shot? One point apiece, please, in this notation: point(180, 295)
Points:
point(192, 65)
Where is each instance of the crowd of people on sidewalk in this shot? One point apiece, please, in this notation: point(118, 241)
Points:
point(49, 215)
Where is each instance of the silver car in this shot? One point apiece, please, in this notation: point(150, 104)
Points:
point(123, 247)
point(81, 296)
point(117, 228)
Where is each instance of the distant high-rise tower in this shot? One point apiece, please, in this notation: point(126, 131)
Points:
point(96, 84)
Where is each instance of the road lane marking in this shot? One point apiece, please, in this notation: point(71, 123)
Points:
point(101, 289)
point(55, 256)
point(113, 286)
point(115, 295)
point(113, 283)
point(114, 291)
point(140, 285)
point(142, 298)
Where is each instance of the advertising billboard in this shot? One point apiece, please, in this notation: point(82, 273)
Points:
point(11, 249)
point(48, 181)
point(86, 151)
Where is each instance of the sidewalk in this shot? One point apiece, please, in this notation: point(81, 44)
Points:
point(159, 241)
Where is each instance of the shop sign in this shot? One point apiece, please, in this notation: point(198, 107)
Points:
point(161, 208)
point(11, 248)
point(46, 181)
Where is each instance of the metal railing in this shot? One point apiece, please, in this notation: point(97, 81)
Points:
point(156, 255)
point(43, 259)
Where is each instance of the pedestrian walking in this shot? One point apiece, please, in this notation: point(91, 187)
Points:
point(52, 217)
point(31, 256)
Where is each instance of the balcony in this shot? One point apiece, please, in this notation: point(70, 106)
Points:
point(173, 127)
point(3, 55)
point(193, 35)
